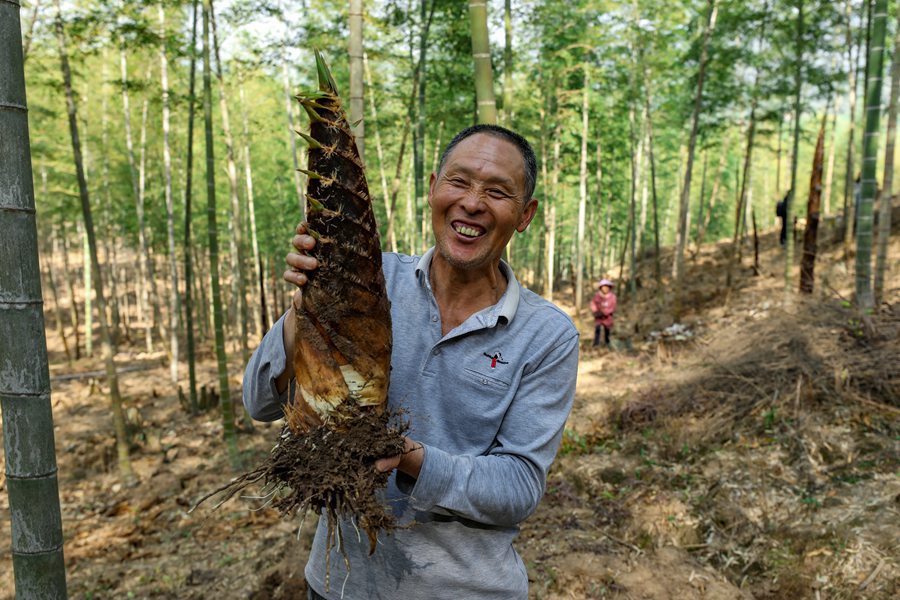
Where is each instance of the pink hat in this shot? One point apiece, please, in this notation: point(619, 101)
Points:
point(605, 282)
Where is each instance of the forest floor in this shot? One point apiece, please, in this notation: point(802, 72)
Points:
point(752, 451)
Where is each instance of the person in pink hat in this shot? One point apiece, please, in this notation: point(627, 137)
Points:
point(603, 306)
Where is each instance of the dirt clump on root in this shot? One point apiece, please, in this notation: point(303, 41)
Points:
point(330, 471)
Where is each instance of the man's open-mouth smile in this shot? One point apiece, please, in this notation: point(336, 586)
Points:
point(468, 231)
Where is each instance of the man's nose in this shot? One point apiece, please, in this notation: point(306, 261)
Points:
point(473, 201)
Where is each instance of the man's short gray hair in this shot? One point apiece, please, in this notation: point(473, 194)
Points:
point(525, 149)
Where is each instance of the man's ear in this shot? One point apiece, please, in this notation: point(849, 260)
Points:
point(527, 215)
point(431, 181)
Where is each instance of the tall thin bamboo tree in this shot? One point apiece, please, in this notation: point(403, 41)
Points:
point(31, 479)
point(507, 63)
point(174, 298)
point(583, 191)
point(813, 207)
point(884, 209)
point(188, 194)
point(218, 325)
point(875, 63)
point(657, 267)
point(852, 74)
point(481, 55)
point(789, 202)
point(356, 75)
point(235, 239)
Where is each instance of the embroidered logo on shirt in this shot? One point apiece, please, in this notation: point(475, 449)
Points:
point(496, 358)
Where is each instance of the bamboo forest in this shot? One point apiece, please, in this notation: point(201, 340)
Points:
point(281, 317)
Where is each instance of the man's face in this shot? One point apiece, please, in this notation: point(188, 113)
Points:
point(478, 201)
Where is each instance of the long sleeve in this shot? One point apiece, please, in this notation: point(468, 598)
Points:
point(503, 487)
point(260, 396)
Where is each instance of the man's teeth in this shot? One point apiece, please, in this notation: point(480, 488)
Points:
point(468, 231)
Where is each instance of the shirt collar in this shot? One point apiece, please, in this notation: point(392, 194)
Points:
point(509, 302)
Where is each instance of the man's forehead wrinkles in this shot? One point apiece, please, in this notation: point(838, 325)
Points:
point(470, 169)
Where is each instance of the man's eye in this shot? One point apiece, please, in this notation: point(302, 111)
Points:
point(495, 193)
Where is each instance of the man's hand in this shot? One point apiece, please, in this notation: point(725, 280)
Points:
point(409, 461)
point(300, 263)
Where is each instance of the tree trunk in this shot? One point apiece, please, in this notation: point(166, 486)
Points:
point(632, 225)
point(111, 376)
point(788, 204)
point(174, 299)
point(221, 359)
point(419, 137)
point(435, 156)
point(411, 222)
point(31, 480)
point(756, 269)
point(550, 245)
point(356, 76)
point(702, 202)
point(875, 69)
point(885, 207)
point(70, 287)
point(235, 240)
point(507, 63)
point(656, 256)
point(778, 154)
point(481, 55)
point(582, 198)
point(808, 262)
point(598, 244)
point(188, 195)
point(849, 191)
point(57, 309)
point(29, 35)
point(87, 283)
point(829, 169)
point(550, 221)
point(684, 204)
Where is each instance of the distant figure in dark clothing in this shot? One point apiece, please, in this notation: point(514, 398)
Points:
point(781, 213)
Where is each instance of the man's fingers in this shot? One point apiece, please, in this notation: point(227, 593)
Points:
point(303, 242)
point(388, 463)
point(295, 277)
point(301, 262)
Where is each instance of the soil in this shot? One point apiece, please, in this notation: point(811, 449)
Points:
point(752, 451)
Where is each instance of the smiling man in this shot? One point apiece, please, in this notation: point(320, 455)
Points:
point(485, 371)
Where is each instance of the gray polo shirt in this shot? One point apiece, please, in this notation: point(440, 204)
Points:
point(488, 401)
